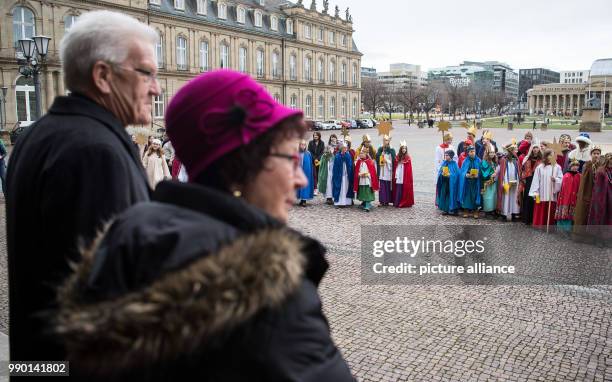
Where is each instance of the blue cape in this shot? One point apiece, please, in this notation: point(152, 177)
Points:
point(307, 192)
point(465, 167)
point(453, 168)
point(337, 176)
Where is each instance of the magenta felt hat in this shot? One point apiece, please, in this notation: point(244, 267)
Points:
point(216, 113)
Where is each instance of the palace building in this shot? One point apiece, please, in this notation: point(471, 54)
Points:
point(306, 58)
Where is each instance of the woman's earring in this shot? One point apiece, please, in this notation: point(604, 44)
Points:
point(237, 193)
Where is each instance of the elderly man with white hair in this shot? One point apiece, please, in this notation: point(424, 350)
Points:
point(76, 167)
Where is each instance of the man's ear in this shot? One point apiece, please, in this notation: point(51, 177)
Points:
point(102, 75)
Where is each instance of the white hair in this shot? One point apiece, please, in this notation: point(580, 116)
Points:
point(99, 36)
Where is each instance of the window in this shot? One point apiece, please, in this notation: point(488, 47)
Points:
point(260, 63)
point(23, 24)
point(179, 4)
point(26, 101)
point(242, 53)
point(343, 73)
point(222, 11)
point(159, 50)
point(354, 107)
point(308, 106)
point(307, 68)
point(320, 70)
point(343, 107)
point(343, 40)
point(320, 34)
point(332, 107)
point(69, 20)
point(203, 55)
point(181, 53)
point(258, 19)
point(289, 26)
point(241, 15)
point(354, 75)
point(320, 107)
point(332, 37)
point(332, 71)
point(275, 68)
point(307, 30)
point(292, 67)
point(201, 7)
point(277, 97)
point(293, 101)
point(158, 106)
point(155, 2)
point(274, 23)
point(224, 63)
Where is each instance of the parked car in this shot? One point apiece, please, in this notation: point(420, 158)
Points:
point(328, 125)
point(351, 123)
point(335, 124)
point(369, 123)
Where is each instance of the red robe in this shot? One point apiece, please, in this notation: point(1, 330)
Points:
point(566, 200)
point(462, 158)
point(407, 186)
point(601, 199)
point(371, 169)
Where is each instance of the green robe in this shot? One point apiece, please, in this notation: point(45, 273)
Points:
point(322, 181)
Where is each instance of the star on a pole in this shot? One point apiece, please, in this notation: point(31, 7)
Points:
point(384, 128)
point(344, 131)
point(444, 126)
point(556, 147)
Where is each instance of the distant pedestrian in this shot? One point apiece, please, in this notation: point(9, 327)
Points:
point(155, 164)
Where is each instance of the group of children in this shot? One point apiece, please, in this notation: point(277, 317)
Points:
point(342, 174)
point(540, 183)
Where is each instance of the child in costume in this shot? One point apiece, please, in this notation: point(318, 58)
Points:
point(507, 184)
point(545, 186)
point(467, 143)
point(585, 191)
point(307, 192)
point(365, 180)
point(531, 160)
point(385, 162)
point(366, 144)
point(488, 180)
point(326, 171)
point(441, 149)
point(469, 184)
point(447, 185)
point(342, 178)
point(566, 202)
point(402, 180)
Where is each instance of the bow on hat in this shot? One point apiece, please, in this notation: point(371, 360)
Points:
point(249, 115)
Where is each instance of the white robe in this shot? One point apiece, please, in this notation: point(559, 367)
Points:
point(583, 155)
point(542, 183)
point(342, 199)
point(386, 169)
point(399, 173)
point(509, 199)
point(439, 158)
point(365, 180)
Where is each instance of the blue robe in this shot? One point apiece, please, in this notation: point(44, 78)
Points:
point(338, 172)
point(446, 188)
point(307, 193)
point(469, 189)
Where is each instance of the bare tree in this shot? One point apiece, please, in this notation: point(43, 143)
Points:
point(408, 98)
point(390, 99)
point(430, 97)
point(372, 94)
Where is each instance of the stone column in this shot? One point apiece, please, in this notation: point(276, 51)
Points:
point(60, 84)
point(572, 104)
point(579, 104)
point(557, 104)
point(609, 101)
point(564, 105)
point(49, 88)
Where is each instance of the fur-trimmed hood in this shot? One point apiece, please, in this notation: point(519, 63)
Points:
point(181, 311)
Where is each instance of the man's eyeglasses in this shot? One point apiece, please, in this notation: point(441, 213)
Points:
point(295, 158)
point(149, 76)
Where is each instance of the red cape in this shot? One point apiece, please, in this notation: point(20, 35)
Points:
point(407, 186)
point(371, 169)
point(566, 200)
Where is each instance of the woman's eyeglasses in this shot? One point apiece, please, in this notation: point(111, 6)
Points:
point(295, 158)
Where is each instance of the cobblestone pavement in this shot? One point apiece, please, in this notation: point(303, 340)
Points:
point(453, 333)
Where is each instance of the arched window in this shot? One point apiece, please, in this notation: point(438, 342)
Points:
point(69, 21)
point(293, 101)
point(308, 106)
point(26, 101)
point(181, 53)
point(277, 97)
point(159, 50)
point(258, 19)
point(343, 73)
point(354, 108)
point(241, 14)
point(201, 7)
point(242, 52)
point(354, 74)
point(274, 23)
point(224, 62)
point(260, 63)
point(204, 55)
point(159, 106)
point(23, 24)
point(275, 67)
point(307, 68)
point(320, 70)
point(289, 26)
point(332, 107)
point(321, 107)
point(293, 67)
point(332, 71)
point(343, 107)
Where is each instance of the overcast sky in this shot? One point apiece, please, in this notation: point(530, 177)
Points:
point(554, 34)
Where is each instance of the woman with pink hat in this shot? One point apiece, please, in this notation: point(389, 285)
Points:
point(208, 282)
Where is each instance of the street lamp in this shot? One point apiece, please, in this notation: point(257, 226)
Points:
point(3, 100)
point(35, 52)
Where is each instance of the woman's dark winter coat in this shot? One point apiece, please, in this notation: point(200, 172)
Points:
point(198, 286)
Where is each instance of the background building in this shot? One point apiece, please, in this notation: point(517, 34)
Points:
point(305, 58)
point(401, 74)
point(505, 79)
point(528, 78)
point(463, 75)
point(574, 76)
point(368, 73)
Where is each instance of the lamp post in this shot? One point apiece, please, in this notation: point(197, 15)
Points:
point(3, 100)
point(35, 53)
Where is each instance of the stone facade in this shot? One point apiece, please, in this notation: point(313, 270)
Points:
point(273, 41)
